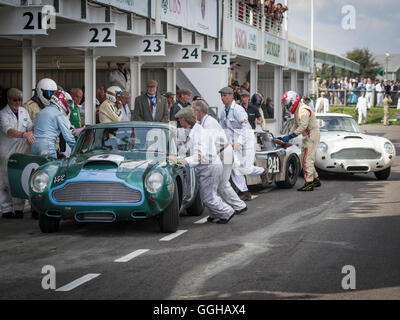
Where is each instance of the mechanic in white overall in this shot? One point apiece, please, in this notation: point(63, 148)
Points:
point(16, 136)
point(203, 156)
point(234, 121)
point(306, 124)
point(225, 153)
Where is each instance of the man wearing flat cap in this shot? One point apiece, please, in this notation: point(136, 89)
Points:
point(253, 114)
point(170, 99)
point(203, 157)
point(182, 101)
point(234, 121)
point(151, 106)
point(16, 136)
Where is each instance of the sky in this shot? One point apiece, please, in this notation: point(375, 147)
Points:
point(376, 22)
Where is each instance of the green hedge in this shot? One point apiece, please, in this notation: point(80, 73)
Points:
point(374, 115)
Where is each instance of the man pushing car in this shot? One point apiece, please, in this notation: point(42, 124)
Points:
point(306, 124)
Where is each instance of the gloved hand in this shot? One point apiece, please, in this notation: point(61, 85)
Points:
point(286, 139)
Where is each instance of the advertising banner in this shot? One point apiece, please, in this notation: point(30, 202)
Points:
point(245, 41)
point(273, 49)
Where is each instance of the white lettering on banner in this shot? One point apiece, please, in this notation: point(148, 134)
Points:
point(273, 49)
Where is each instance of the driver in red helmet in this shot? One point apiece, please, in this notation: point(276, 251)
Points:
point(306, 124)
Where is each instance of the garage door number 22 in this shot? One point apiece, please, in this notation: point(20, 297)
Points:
point(95, 38)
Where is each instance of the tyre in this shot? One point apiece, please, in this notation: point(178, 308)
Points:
point(48, 224)
point(169, 219)
point(35, 215)
point(383, 175)
point(197, 207)
point(291, 175)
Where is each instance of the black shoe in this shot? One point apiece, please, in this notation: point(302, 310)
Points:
point(241, 211)
point(19, 214)
point(8, 215)
point(225, 221)
point(317, 183)
point(210, 219)
point(247, 196)
point(309, 186)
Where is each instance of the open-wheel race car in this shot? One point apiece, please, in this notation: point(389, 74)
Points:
point(281, 160)
point(117, 172)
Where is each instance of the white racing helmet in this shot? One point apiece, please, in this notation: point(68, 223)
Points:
point(45, 89)
point(68, 100)
point(112, 93)
point(291, 101)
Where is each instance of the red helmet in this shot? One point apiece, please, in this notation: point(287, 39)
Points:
point(60, 101)
point(291, 101)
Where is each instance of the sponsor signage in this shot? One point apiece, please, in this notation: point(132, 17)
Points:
point(245, 41)
point(273, 49)
point(298, 57)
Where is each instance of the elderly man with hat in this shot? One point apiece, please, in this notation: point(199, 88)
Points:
point(151, 106)
point(203, 156)
point(182, 101)
point(121, 77)
point(234, 121)
point(16, 136)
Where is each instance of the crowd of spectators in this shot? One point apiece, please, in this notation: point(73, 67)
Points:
point(351, 88)
point(274, 12)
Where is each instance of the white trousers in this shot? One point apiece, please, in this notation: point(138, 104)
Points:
point(7, 203)
point(226, 191)
point(368, 96)
point(362, 114)
point(210, 177)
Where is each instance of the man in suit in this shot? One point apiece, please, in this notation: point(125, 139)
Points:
point(151, 106)
point(182, 101)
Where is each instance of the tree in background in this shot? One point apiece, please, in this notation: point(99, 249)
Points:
point(368, 66)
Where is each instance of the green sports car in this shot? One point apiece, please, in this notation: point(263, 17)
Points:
point(116, 172)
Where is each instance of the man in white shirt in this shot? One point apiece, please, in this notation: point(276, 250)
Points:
point(370, 91)
point(362, 107)
point(322, 105)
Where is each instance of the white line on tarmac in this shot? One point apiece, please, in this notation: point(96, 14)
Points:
point(132, 255)
point(204, 220)
point(173, 235)
point(78, 282)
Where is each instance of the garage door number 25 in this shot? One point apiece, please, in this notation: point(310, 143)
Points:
point(221, 62)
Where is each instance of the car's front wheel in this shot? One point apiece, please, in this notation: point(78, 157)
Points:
point(169, 219)
point(383, 175)
point(48, 224)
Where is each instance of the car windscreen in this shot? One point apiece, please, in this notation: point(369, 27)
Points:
point(127, 139)
point(331, 123)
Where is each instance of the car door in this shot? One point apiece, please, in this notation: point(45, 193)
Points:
point(20, 169)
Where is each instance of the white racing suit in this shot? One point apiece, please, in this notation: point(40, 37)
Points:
point(204, 158)
point(306, 124)
point(225, 153)
point(238, 130)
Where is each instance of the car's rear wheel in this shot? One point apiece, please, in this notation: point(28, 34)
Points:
point(169, 219)
point(291, 175)
point(197, 208)
point(48, 224)
point(383, 175)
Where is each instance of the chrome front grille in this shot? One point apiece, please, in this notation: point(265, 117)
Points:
point(356, 154)
point(97, 192)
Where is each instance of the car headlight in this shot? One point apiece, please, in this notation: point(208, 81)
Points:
point(389, 148)
point(323, 147)
point(154, 181)
point(39, 181)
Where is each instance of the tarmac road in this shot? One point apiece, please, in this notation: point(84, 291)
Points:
point(289, 245)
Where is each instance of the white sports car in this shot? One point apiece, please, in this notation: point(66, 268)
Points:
point(344, 148)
